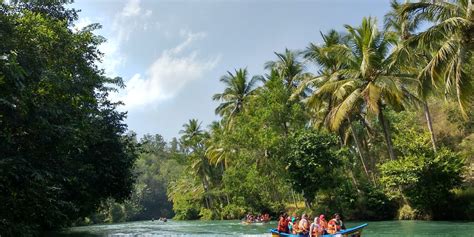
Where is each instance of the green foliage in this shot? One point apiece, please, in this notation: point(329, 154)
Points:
point(312, 162)
point(423, 178)
point(374, 204)
point(233, 212)
point(207, 214)
point(64, 148)
point(406, 212)
point(250, 190)
point(186, 196)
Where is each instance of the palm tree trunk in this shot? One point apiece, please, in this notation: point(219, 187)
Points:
point(206, 188)
point(430, 124)
point(356, 185)
point(469, 9)
point(386, 133)
point(359, 150)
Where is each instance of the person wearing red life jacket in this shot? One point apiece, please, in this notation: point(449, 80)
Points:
point(323, 225)
point(283, 223)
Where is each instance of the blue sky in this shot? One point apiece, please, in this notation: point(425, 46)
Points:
point(171, 54)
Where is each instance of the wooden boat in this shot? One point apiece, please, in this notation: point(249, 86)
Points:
point(351, 232)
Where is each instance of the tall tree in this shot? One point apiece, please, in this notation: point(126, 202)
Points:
point(411, 59)
point(368, 82)
point(218, 151)
point(451, 38)
point(326, 57)
point(238, 89)
point(193, 139)
point(289, 67)
point(64, 144)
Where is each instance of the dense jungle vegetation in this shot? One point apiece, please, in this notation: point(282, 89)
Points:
point(383, 129)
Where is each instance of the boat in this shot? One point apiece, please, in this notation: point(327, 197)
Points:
point(253, 222)
point(351, 232)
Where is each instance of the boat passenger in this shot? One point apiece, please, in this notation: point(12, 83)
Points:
point(323, 225)
point(290, 225)
point(266, 217)
point(303, 225)
point(335, 224)
point(313, 229)
point(283, 223)
point(296, 226)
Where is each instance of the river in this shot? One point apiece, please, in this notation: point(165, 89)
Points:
point(234, 228)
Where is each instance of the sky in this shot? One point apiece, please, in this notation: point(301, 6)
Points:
point(171, 54)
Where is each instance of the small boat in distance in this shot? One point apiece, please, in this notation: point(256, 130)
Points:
point(253, 222)
point(351, 232)
point(256, 220)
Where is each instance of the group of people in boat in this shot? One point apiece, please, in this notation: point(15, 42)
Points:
point(163, 219)
point(320, 226)
point(250, 218)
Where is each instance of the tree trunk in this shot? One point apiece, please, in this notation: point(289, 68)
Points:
point(386, 133)
point(208, 205)
point(294, 199)
point(308, 204)
point(359, 150)
point(356, 185)
point(206, 195)
point(430, 124)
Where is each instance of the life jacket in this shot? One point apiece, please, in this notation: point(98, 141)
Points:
point(333, 226)
point(323, 225)
point(303, 226)
point(315, 230)
point(296, 227)
point(283, 225)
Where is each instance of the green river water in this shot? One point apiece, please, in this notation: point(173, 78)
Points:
point(234, 228)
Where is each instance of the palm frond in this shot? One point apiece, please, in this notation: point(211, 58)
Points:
point(340, 112)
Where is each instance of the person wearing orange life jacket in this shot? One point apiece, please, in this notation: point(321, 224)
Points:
point(303, 225)
point(313, 229)
point(296, 226)
point(323, 225)
point(335, 224)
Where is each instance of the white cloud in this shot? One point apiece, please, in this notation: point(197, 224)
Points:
point(167, 75)
point(132, 8)
point(132, 17)
point(148, 13)
point(112, 59)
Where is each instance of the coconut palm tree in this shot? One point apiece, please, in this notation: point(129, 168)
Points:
point(238, 89)
point(289, 67)
point(325, 56)
point(411, 59)
point(192, 135)
point(367, 83)
point(451, 39)
point(217, 151)
point(193, 139)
